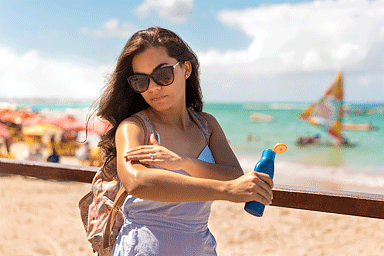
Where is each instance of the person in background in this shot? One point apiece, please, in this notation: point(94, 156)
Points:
point(308, 140)
point(8, 143)
point(54, 157)
point(172, 166)
point(249, 137)
point(35, 153)
point(84, 154)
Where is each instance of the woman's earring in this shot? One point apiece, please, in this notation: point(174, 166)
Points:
point(186, 75)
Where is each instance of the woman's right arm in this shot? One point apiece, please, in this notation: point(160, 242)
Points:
point(162, 185)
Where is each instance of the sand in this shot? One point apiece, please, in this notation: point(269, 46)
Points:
point(41, 217)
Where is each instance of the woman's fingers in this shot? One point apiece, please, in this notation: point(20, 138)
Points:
point(139, 148)
point(250, 187)
point(265, 188)
point(141, 152)
point(265, 191)
point(140, 156)
point(156, 162)
point(261, 199)
point(265, 177)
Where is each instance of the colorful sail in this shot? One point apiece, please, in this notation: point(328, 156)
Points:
point(327, 112)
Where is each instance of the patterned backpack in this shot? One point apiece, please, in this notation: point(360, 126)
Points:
point(101, 214)
point(100, 209)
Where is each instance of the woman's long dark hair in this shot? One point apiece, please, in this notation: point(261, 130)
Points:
point(118, 101)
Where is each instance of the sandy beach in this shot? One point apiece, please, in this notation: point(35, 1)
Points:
point(41, 217)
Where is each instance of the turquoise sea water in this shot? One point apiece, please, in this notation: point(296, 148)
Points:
point(368, 155)
point(359, 165)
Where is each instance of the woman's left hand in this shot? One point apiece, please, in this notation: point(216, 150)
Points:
point(154, 154)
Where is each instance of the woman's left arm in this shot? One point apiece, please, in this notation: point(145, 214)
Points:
point(226, 165)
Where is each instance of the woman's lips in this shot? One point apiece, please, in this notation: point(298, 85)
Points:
point(158, 98)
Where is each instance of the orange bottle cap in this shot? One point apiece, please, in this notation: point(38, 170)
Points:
point(279, 148)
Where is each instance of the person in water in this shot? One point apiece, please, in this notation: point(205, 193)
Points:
point(173, 159)
point(307, 140)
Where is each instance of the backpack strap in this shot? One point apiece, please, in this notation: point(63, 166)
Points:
point(119, 200)
point(142, 116)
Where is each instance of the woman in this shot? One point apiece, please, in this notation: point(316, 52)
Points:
point(173, 175)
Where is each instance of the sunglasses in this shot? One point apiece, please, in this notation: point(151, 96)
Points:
point(163, 76)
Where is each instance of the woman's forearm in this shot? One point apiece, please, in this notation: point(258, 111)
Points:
point(167, 186)
point(201, 169)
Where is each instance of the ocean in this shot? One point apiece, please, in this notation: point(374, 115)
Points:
point(358, 169)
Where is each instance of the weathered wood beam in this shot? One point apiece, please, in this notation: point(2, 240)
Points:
point(48, 170)
point(349, 203)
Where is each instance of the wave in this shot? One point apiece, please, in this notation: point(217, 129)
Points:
point(274, 106)
point(322, 177)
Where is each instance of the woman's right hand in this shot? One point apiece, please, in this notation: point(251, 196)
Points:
point(253, 186)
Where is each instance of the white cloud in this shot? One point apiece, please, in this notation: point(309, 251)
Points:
point(176, 11)
point(311, 60)
point(30, 75)
point(111, 28)
point(364, 80)
point(309, 36)
point(296, 51)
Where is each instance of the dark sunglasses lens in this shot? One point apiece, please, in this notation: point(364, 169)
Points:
point(139, 83)
point(163, 76)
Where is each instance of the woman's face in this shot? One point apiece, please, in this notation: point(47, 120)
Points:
point(162, 97)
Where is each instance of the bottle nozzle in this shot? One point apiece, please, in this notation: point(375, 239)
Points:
point(279, 148)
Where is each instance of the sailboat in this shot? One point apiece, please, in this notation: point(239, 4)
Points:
point(327, 113)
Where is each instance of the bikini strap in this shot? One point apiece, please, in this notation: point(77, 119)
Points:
point(201, 123)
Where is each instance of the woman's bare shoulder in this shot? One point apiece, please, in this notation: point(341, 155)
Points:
point(130, 127)
point(210, 119)
point(131, 121)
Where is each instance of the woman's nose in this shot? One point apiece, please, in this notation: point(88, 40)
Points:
point(152, 85)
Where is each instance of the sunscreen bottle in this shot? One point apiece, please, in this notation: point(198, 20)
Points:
point(265, 165)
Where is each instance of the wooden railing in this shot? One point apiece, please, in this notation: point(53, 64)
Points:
point(357, 204)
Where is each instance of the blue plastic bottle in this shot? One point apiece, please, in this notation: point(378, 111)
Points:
point(265, 165)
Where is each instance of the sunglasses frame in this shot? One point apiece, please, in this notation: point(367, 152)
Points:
point(149, 77)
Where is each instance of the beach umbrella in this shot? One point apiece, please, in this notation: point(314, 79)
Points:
point(8, 117)
point(16, 117)
point(4, 110)
point(4, 133)
point(37, 119)
point(99, 126)
point(67, 123)
point(41, 129)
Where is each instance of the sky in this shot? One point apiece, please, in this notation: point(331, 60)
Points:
point(279, 51)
